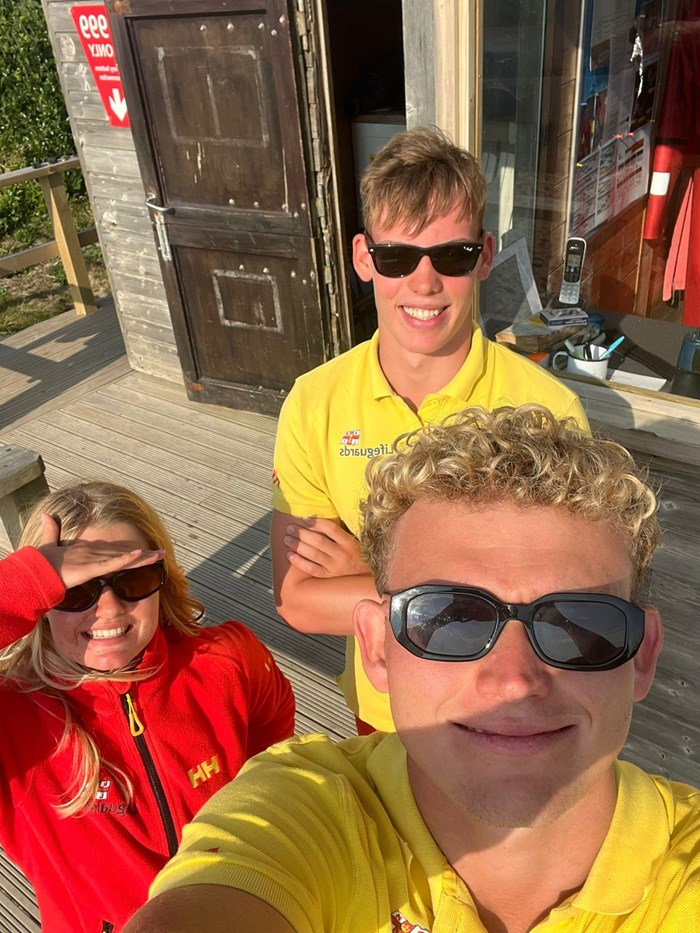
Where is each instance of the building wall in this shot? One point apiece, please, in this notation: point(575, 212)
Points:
point(111, 172)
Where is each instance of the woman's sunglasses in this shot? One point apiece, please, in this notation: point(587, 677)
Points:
point(130, 585)
point(571, 631)
point(395, 260)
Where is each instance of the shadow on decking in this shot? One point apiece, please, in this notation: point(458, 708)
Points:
point(45, 364)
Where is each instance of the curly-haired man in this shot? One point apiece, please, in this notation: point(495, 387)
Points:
point(508, 549)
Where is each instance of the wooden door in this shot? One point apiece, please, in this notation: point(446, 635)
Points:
point(217, 121)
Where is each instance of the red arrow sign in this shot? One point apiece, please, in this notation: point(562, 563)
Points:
point(96, 39)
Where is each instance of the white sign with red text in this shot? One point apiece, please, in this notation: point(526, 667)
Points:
point(96, 38)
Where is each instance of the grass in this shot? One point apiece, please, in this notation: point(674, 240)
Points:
point(40, 292)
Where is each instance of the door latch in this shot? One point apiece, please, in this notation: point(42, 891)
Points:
point(161, 231)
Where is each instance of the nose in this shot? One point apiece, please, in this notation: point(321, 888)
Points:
point(424, 280)
point(512, 670)
point(108, 603)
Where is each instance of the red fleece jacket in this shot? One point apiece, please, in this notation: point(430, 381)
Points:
point(216, 699)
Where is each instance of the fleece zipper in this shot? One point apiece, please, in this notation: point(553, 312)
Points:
point(136, 728)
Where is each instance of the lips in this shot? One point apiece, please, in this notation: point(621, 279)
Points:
point(515, 738)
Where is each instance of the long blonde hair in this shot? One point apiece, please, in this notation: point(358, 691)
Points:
point(33, 664)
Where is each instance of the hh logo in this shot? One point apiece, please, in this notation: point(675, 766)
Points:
point(399, 924)
point(103, 790)
point(203, 771)
point(350, 438)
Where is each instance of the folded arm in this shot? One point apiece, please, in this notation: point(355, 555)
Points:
point(318, 574)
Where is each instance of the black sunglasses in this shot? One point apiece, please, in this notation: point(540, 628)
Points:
point(395, 260)
point(130, 585)
point(571, 631)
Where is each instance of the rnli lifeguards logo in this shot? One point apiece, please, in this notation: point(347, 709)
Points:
point(350, 446)
point(350, 438)
point(399, 924)
point(103, 805)
point(275, 478)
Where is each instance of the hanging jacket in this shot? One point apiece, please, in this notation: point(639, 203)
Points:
point(215, 699)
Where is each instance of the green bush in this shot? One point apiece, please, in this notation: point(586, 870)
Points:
point(33, 120)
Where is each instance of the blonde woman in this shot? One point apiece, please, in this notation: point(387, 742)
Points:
point(120, 715)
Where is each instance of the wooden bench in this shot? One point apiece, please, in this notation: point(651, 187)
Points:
point(22, 483)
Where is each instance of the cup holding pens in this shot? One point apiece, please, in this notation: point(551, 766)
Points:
point(595, 368)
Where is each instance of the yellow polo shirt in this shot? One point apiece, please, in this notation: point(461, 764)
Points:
point(331, 837)
point(342, 414)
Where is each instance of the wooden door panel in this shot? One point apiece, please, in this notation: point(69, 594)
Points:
point(218, 86)
point(251, 312)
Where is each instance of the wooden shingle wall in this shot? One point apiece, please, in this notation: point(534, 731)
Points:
point(108, 160)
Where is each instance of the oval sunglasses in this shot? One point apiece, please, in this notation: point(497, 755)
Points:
point(570, 631)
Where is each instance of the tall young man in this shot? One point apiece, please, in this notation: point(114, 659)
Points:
point(424, 250)
point(508, 550)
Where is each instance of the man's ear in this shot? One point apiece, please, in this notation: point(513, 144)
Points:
point(361, 259)
point(369, 618)
point(486, 257)
point(645, 659)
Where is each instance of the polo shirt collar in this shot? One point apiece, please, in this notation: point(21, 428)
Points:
point(637, 842)
point(378, 381)
point(461, 384)
point(388, 769)
point(623, 872)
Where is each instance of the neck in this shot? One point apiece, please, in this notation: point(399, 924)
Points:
point(517, 876)
point(413, 376)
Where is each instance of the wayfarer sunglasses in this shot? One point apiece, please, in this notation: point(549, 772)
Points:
point(130, 585)
point(395, 260)
point(571, 631)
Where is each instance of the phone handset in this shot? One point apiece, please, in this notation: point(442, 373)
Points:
point(573, 271)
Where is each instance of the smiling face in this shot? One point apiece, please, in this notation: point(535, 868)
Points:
point(113, 632)
point(424, 313)
point(507, 738)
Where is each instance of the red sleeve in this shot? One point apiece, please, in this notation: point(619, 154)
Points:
point(29, 587)
point(271, 705)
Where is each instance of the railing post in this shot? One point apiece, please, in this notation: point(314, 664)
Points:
point(67, 242)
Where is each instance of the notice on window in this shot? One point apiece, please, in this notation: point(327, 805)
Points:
point(618, 83)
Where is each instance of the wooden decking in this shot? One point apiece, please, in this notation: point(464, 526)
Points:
point(66, 391)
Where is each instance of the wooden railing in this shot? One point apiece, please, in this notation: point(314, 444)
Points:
point(68, 241)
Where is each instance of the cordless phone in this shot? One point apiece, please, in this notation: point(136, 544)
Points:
point(573, 270)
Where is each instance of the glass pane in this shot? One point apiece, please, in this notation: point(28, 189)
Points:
point(512, 69)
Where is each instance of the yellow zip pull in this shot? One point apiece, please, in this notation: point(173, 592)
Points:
point(135, 725)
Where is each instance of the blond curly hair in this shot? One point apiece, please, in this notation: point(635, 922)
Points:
point(33, 664)
point(522, 455)
point(418, 176)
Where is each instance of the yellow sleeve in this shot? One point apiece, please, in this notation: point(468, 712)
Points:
point(299, 485)
point(282, 832)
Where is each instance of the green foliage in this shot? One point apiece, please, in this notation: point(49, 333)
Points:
point(33, 120)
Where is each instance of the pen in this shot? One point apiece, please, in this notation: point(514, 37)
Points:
point(613, 346)
point(572, 349)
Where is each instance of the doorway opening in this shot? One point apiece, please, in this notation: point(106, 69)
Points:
point(365, 52)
